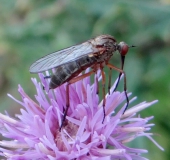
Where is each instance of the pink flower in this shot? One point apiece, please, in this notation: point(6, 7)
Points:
point(35, 135)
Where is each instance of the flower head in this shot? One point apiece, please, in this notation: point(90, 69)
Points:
point(34, 134)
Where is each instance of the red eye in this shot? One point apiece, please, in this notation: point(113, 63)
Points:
point(123, 48)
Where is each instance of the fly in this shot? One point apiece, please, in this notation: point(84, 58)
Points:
point(70, 62)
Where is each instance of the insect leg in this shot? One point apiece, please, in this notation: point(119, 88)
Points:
point(110, 76)
point(45, 77)
point(122, 72)
point(103, 90)
point(97, 83)
point(117, 82)
point(122, 65)
point(67, 93)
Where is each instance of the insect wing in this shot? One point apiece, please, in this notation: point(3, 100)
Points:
point(62, 57)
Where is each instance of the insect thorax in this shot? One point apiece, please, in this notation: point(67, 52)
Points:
point(106, 46)
point(105, 54)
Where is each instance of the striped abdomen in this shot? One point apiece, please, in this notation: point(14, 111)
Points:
point(70, 70)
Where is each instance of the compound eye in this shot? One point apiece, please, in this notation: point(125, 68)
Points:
point(123, 48)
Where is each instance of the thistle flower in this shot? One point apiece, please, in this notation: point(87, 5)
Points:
point(34, 133)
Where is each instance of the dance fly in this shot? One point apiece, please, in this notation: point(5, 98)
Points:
point(70, 62)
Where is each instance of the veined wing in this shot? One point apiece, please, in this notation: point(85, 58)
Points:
point(61, 57)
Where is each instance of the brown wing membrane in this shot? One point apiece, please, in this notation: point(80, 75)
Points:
point(62, 57)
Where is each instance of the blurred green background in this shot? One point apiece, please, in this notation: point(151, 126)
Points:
point(31, 29)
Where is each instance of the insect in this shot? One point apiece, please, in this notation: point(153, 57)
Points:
point(70, 62)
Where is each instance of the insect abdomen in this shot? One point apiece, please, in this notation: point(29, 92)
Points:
point(68, 71)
